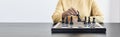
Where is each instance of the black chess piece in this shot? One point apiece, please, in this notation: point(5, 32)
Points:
point(93, 20)
point(80, 23)
point(66, 22)
point(93, 23)
point(79, 20)
point(89, 20)
point(85, 21)
point(71, 21)
point(62, 20)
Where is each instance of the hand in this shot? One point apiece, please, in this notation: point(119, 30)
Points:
point(69, 12)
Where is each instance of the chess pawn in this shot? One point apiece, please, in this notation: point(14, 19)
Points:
point(63, 22)
point(71, 21)
point(85, 22)
point(66, 23)
point(89, 22)
point(93, 23)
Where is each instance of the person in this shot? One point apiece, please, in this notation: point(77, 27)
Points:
point(70, 7)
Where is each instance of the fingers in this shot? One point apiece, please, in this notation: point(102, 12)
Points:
point(73, 11)
point(66, 13)
point(69, 12)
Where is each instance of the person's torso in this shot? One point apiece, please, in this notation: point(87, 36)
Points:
point(83, 6)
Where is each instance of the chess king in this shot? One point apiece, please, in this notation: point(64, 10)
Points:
point(85, 8)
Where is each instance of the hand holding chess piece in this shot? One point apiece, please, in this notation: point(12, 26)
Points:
point(73, 20)
point(69, 12)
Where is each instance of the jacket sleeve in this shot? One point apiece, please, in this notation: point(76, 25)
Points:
point(57, 15)
point(95, 12)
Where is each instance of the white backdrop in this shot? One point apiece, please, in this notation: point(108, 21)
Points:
point(38, 10)
point(26, 10)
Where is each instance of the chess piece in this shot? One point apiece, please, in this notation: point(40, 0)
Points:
point(80, 25)
point(85, 22)
point(79, 20)
point(66, 22)
point(62, 20)
point(89, 22)
point(94, 20)
point(63, 23)
point(71, 21)
point(93, 23)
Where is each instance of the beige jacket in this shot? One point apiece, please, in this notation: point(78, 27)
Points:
point(85, 7)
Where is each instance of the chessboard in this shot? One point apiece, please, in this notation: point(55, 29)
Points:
point(82, 25)
point(70, 24)
point(78, 28)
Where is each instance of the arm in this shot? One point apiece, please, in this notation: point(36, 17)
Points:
point(57, 15)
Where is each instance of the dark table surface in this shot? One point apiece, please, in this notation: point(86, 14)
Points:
point(44, 29)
